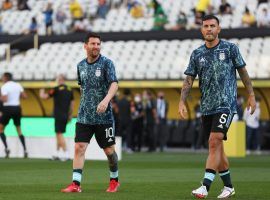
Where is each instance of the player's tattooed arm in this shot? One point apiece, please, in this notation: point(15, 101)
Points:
point(251, 103)
point(187, 85)
point(246, 80)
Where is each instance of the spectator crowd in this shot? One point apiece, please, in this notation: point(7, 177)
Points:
point(74, 16)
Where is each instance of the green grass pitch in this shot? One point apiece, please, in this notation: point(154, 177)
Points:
point(143, 176)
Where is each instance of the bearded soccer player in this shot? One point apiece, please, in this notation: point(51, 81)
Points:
point(97, 78)
point(216, 63)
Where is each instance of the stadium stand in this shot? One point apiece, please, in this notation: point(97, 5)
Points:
point(119, 19)
point(164, 60)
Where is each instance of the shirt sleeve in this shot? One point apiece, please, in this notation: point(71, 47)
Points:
point(4, 91)
point(21, 89)
point(192, 68)
point(52, 92)
point(110, 72)
point(237, 58)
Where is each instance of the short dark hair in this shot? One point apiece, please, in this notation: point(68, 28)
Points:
point(93, 35)
point(8, 75)
point(207, 17)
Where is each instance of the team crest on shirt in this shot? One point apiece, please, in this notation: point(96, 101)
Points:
point(98, 72)
point(222, 55)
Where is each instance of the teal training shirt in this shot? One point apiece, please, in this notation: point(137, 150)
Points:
point(95, 80)
point(216, 70)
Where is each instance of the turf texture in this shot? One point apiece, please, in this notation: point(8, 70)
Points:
point(142, 175)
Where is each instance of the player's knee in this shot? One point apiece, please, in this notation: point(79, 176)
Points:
point(109, 151)
point(1, 128)
point(213, 142)
point(79, 149)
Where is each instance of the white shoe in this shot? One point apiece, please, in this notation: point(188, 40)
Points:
point(200, 193)
point(226, 192)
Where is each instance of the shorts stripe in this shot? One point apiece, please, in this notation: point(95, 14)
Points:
point(223, 174)
point(229, 119)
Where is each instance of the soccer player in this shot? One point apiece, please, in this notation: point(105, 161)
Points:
point(63, 107)
point(10, 96)
point(98, 82)
point(216, 63)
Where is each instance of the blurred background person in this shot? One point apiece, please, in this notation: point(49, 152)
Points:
point(252, 128)
point(6, 5)
point(11, 92)
point(60, 21)
point(115, 110)
point(33, 27)
point(76, 11)
point(103, 8)
point(263, 18)
point(149, 105)
point(22, 5)
point(199, 139)
point(225, 8)
point(239, 108)
point(137, 115)
point(181, 22)
point(48, 18)
point(162, 112)
point(248, 19)
point(63, 102)
point(124, 105)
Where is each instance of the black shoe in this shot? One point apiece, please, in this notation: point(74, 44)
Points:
point(7, 151)
point(54, 158)
point(25, 155)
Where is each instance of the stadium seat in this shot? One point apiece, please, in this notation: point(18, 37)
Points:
point(165, 59)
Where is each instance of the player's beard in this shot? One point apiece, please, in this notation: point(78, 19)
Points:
point(210, 39)
point(94, 54)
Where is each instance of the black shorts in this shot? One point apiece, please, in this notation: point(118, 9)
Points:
point(219, 122)
point(104, 133)
point(60, 125)
point(11, 112)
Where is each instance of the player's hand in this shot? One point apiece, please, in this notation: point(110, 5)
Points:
point(41, 92)
point(182, 110)
point(251, 104)
point(102, 106)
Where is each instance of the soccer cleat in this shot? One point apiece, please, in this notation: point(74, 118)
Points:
point(200, 193)
point(54, 158)
point(7, 151)
point(113, 187)
point(226, 192)
point(72, 188)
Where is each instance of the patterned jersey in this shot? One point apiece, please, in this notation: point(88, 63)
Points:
point(216, 69)
point(95, 80)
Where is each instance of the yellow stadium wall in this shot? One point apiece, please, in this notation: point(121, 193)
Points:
point(34, 106)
